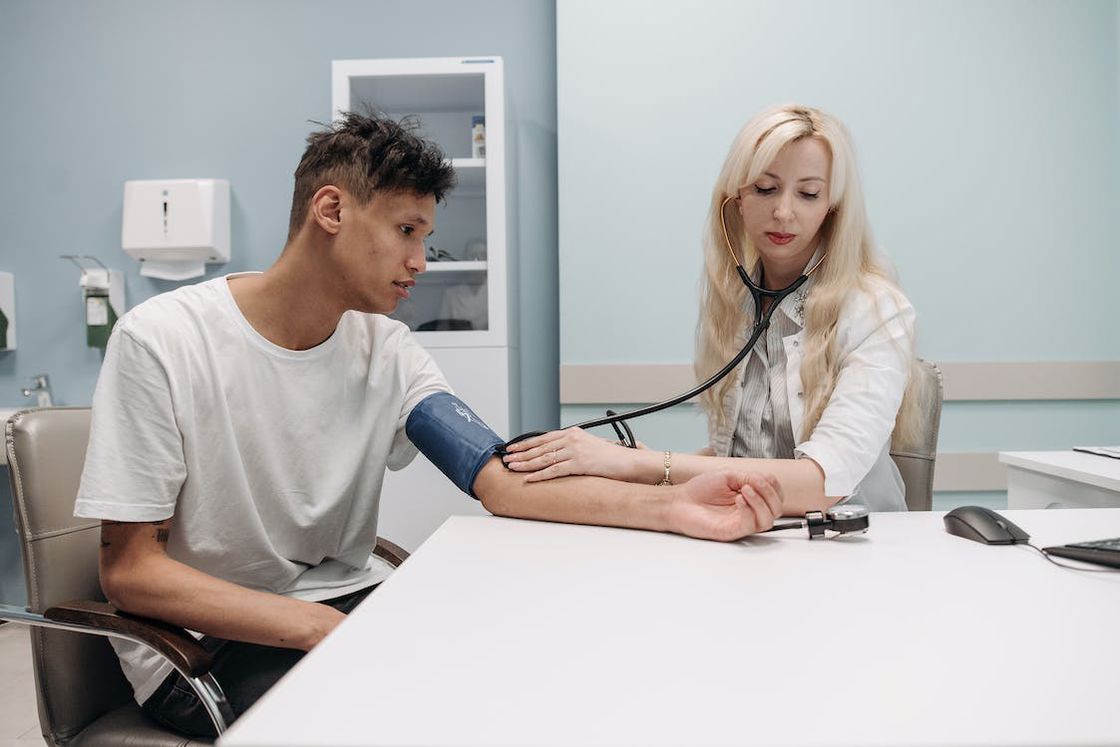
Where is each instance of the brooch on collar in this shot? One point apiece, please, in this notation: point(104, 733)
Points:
point(799, 306)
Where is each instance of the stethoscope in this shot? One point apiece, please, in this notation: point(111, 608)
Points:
point(844, 521)
point(762, 322)
point(847, 518)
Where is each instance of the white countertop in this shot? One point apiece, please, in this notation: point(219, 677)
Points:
point(1092, 469)
point(504, 632)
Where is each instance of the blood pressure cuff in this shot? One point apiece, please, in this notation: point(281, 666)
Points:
point(452, 437)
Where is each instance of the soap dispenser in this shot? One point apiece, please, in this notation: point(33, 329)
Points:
point(103, 296)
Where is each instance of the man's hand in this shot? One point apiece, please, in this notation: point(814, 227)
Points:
point(726, 506)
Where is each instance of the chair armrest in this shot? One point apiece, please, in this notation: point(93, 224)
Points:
point(173, 642)
point(390, 552)
point(913, 455)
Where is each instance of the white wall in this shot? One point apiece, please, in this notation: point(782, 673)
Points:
point(989, 144)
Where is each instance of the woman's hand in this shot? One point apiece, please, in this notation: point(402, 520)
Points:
point(572, 451)
point(726, 506)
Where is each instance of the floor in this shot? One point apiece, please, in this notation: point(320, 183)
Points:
point(19, 723)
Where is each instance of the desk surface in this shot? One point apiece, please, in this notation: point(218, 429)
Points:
point(1099, 471)
point(503, 632)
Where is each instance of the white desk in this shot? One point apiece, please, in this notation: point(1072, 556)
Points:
point(501, 632)
point(1061, 479)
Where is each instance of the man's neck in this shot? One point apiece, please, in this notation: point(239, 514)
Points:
point(292, 303)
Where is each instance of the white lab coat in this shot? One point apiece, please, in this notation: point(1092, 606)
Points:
point(851, 442)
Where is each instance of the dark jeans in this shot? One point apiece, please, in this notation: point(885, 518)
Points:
point(245, 672)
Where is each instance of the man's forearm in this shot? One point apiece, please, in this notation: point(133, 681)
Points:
point(574, 500)
point(157, 586)
point(802, 479)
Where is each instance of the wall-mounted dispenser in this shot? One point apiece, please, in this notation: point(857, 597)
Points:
point(7, 311)
point(103, 297)
point(175, 226)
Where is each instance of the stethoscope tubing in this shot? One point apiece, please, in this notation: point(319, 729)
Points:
point(762, 322)
point(759, 328)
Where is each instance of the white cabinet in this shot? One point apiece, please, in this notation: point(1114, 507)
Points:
point(1061, 479)
point(461, 308)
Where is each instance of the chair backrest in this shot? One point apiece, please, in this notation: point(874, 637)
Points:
point(77, 677)
point(915, 461)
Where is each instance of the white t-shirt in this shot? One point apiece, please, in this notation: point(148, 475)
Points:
point(270, 460)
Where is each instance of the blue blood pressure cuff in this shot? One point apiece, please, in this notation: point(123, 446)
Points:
point(452, 437)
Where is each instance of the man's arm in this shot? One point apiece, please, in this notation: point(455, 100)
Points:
point(718, 505)
point(138, 577)
point(722, 505)
point(574, 451)
point(802, 480)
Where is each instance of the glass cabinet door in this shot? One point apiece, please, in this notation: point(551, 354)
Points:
point(452, 294)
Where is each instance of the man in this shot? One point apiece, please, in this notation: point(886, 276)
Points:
point(242, 426)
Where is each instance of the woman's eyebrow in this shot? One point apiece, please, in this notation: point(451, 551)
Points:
point(803, 179)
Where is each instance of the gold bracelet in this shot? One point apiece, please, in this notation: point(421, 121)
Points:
point(668, 465)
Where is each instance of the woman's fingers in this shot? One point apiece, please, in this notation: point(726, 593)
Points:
point(534, 442)
point(557, 470)
point(530, 462)
point(534, 452)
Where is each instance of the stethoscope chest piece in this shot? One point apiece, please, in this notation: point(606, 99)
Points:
point(849, 518)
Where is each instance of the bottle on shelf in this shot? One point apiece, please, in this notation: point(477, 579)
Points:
point(478, 136)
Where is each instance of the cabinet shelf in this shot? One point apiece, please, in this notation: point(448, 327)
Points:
point(448, 266)
point(452, 272)
point(470, 176)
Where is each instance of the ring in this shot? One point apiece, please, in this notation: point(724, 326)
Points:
point(553, 452)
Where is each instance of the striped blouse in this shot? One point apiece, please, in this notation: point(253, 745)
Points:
point(763, 429)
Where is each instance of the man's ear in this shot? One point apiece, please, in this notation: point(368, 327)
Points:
point(326, 208)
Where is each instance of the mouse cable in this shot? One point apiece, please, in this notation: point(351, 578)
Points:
point(1070, 567)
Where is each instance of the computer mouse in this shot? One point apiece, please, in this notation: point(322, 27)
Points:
point(981, 524)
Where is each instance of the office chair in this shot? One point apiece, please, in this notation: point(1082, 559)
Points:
point(83, 697)
point(916, 461)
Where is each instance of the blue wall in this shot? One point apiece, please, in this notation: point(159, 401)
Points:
point(95, 93)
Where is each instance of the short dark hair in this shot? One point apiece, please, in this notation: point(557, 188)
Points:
point(365, 153)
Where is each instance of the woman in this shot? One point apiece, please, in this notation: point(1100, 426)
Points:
point(816, 401)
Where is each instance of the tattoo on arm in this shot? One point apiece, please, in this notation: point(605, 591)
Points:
point(162, 527)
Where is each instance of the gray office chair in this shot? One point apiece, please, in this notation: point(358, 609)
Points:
point(83, 697)
point(916, 461)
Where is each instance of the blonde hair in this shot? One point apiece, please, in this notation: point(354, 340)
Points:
point(851, 262)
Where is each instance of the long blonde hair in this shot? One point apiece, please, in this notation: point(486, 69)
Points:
point(851, 262)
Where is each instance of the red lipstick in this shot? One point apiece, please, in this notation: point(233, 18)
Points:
point(780, 238)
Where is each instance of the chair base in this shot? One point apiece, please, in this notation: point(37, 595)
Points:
point(129, 725)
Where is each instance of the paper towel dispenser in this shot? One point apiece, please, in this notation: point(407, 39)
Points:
point(175, 226)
